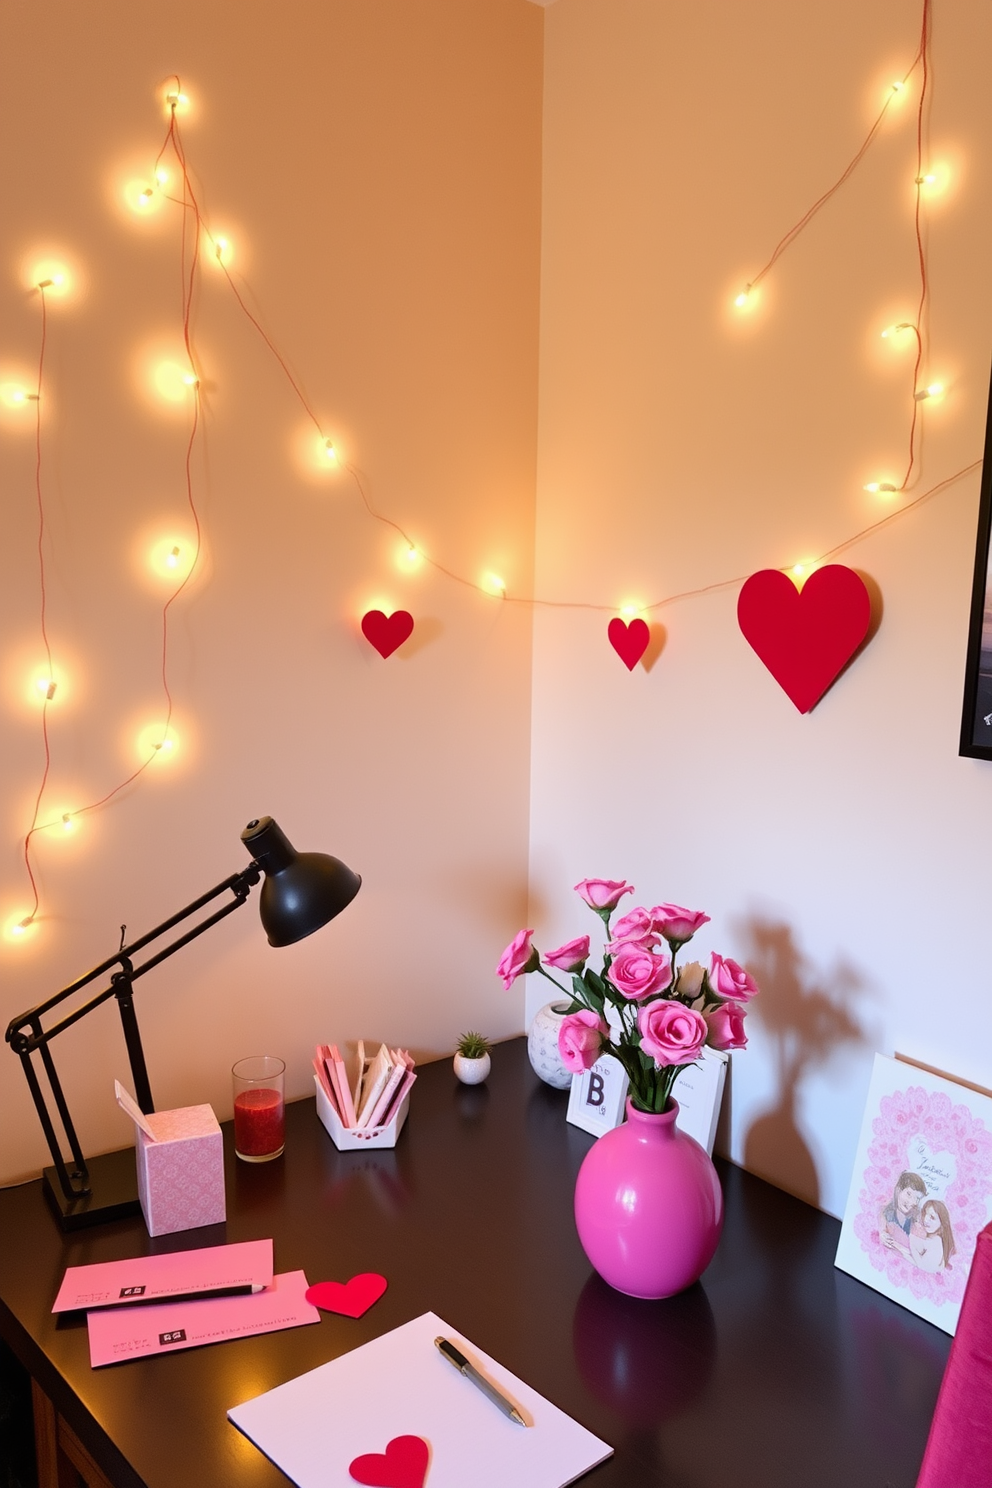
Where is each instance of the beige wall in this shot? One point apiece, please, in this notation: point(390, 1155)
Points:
point(376, 165)
point(842, 855)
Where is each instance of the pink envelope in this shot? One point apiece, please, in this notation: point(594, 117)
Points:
point(118, 1334)
point(214, 1270)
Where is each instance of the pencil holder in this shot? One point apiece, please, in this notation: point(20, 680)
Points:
point(357, 1139)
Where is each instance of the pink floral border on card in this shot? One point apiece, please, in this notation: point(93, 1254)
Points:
point(945, 1128)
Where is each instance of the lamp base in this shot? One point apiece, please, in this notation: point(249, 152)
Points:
point(113, 1192)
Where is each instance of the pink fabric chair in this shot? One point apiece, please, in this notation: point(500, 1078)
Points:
point(959, 1448)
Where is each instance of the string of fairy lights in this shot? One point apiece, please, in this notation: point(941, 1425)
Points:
point(170, 182)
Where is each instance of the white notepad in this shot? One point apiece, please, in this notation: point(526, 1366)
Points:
point(313, 1427)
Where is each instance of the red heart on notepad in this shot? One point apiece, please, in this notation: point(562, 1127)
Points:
point(402, 1465)
point(805, 637)
point(349, 1298)
point(387, 632)
point(629, 641)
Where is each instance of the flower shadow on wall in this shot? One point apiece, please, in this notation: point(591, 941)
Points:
point(809, 1018)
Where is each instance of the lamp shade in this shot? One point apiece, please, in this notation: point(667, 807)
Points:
point(300, 891)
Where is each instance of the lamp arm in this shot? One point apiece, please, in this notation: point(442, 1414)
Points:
point(25, 1033)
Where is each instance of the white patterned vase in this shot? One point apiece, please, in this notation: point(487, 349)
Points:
point(542, 1046)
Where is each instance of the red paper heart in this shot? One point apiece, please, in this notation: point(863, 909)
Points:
point(805, 637)
point(349, 1298)
point(629, 641)
point(387, 632)
point(402, 1465)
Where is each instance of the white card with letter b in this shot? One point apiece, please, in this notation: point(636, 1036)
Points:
point(596, 1098)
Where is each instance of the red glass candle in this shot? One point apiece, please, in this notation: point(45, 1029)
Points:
point(259, 1108)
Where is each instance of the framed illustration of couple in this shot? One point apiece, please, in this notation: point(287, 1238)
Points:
point(921, 1189)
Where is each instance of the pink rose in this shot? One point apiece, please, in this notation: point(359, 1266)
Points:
point(637, 972)
point(726, 1026)
point(730, 980)
point(603, 893)
point(519, 956)
point(570, 956)
point(676, 924)
point(637, 926)
point(671, 1033)
point(580, 1040)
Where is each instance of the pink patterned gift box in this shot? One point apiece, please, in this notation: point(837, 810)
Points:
point(181, 1172)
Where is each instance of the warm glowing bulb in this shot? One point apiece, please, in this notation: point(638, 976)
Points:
point(161, 175)
point(146, 194)
point(411, 555)
point(895, 330)
point(51, 277)
point(496, 584)
point(172, 558)
point(177, 101)
point(926, 180)
point(898, 87)
point(191, 380)
point(798, 569)
point(742, 298)
point(934, 390)
point(222, 249)
point(46, 687)
point(17, 928)
point(875, 486)
point(13, 396)
point(67, 821)
point(329, 449)
point(628, 611)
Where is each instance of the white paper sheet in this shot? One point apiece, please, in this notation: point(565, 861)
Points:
point(313, 1427)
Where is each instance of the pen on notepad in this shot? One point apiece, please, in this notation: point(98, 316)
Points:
point(481, 1383)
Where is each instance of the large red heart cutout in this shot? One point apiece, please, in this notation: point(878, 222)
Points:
point(629, 641)
point(349, 1298)
point(402, 1465)
point(387, 632)
point(805, 637)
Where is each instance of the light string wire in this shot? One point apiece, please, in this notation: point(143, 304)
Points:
point(799, 227)
point(189, 268)
point(188, 271)
point(48, 681)
point(918, 329)
point(922, 60)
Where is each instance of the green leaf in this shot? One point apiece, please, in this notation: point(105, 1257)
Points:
point(588, 993)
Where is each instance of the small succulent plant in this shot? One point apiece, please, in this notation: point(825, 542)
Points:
point(473, 1045)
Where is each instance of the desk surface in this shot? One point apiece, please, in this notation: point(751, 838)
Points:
point(776, 1371)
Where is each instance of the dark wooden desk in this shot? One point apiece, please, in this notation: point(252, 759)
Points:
point(776, 1371)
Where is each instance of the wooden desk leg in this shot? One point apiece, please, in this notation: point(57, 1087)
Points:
point(63, 1461)
point(51, 1473)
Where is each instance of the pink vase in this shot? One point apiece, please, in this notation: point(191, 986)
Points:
point(648, 1206)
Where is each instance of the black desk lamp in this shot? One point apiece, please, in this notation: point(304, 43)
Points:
point(300, 892)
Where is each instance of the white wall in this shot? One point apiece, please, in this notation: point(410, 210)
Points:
point(842, 855)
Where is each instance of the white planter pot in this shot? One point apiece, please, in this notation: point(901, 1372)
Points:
point(472, 1071)
point(542, 1046)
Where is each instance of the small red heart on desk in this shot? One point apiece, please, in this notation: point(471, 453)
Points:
point(349, 1298)
point(402, 1465)
point(387, 632)
point(805, 637)
point(629, 641)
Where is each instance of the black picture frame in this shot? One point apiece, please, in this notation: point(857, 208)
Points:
point(976, 716)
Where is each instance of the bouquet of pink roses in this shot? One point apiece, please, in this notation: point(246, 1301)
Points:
point(666, 1014)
